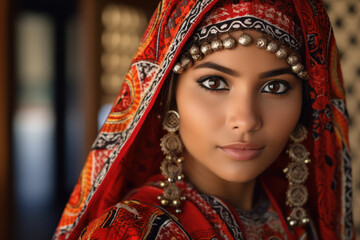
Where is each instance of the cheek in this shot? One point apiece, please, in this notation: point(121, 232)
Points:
point(200, 117)
point(198, 112)
point(281, 118)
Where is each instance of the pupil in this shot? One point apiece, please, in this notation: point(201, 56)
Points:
point(274, 87)
point(214, 83)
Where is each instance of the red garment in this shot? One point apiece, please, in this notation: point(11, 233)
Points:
point(126, 152)
point(140, 217)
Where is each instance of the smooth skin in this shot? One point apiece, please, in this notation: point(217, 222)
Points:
point(237, 110)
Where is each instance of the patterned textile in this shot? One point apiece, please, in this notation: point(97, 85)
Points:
point(203, 217)
point(126, 153)
point(272, 18)
point(262, 222)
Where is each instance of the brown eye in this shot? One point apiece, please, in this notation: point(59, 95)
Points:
point(213, 83)
point(276, 87)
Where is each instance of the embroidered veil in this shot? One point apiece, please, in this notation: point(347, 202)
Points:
point(126, 152)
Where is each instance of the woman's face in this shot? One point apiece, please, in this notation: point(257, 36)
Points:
point(237, 110)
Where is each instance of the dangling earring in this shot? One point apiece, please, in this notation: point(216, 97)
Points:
point(297, 173)
point(171, 166)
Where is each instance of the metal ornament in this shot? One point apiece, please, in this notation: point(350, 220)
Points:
point(272, 47)
point(194, 50)
point(171, 143)
point(216, 44)
point(281, 53)
point(297, 172)
point(206, 48)
point(244, 39)
point(229, 43)
point(292, 60)
point(298, 152)
point(303, 75)
point(197, 53)
point(297, 68)
point(178, 68)
point(261, 42)
point(171, 121)
point(171, 166)
point(186, 62)
point(197, 57)
point(299, 134)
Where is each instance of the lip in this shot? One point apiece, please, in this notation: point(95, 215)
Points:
point(242, 151)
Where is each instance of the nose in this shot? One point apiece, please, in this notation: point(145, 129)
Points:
point(244, 115)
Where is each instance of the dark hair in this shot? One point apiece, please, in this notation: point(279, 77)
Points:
point(167, 94)
point(305, 116)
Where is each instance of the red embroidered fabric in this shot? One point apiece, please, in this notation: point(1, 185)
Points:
point(202, 217)
point(126, 152)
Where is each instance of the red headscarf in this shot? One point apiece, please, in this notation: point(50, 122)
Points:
point(126, 152)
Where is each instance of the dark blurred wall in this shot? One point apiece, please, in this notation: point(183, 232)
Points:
point(5, 121)
point(52, 118)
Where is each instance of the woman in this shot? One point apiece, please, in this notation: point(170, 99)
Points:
point(233, 92)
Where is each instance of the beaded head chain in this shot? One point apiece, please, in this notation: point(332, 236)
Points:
point(261, 16)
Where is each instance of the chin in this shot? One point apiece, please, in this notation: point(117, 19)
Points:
point(237, 177)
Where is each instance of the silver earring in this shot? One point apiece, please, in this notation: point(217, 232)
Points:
point(297, 173)
point(171, 166)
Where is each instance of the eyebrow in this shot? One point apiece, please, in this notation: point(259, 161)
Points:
point(276, 72)
point(217, 67)
point(272, 73)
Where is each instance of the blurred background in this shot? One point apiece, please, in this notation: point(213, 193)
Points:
point(61, 65)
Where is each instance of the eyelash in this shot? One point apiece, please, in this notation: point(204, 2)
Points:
point(201, 82)
point(284, 84)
